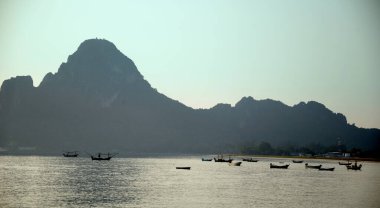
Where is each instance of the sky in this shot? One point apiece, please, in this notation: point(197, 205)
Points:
point(206, 52)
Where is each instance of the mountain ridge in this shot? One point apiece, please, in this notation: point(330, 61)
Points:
point(98, 100)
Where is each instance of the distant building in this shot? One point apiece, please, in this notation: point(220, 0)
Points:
point(346, 154)
point(334, 154)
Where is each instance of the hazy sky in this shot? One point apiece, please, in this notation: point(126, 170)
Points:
point(207, 52)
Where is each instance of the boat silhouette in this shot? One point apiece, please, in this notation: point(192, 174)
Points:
point(326, 169)
point(102, 156)
point(250, 160)
point(183, 168)
point(279, 166)
point(71, 154)
point(221, 159)
point(345, 163)
point(206, 159)
point(355, 166)
point(312, 166)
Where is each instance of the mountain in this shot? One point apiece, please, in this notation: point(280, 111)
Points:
point(99, 101)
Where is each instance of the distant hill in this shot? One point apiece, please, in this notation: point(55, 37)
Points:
point(99, 101)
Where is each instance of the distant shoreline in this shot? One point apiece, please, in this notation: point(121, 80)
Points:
point(236, 156)
point(307, 158)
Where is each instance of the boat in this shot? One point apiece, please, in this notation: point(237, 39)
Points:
point(297, 161)
point(279, 166)
point(70, 154)
point(206, 159)
point(102, 156)
point(183, 168)
point(312, 166)
point(345, 163)
point(221, 159)
point(249, 160)
point(234, 163)
point(355, 166)
point(326, 169)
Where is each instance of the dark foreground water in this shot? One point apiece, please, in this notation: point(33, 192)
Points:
point(154, 182)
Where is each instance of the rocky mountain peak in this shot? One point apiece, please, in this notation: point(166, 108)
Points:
point(97, 62)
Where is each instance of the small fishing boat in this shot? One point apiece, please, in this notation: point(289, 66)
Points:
point(206, 159)
point(70, 154)
point(326, 169)
point(221, 159)
point(102, 156)
point(249, 160)
point(279, 166)
point(234, 163)
point(345, 163)
point(355, 166)
point(183, 168)
point(312, 166)
point(297, 161)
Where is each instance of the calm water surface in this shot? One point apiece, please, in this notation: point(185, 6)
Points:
point(154, 182)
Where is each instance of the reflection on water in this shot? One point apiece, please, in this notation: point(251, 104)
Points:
point(154, 182)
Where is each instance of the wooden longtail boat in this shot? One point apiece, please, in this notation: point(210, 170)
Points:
point(326, 169)
point(249, 160)
point(221, 159)
point(355, 166)
point(183, 168)
point(279, 166)
point(345, 163)
point(71, 154)
point(312, 166)
point(102, 156)
point(205, 159)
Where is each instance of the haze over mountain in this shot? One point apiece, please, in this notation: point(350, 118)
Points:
point(99, 101)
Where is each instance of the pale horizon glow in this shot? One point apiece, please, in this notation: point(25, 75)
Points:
point(206, 52)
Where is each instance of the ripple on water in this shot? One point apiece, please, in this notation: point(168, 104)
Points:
point(154, 182)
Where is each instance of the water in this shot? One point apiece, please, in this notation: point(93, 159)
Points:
point(154, 182)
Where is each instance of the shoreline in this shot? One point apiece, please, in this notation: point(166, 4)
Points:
point(239, 156)
point(308, 158)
